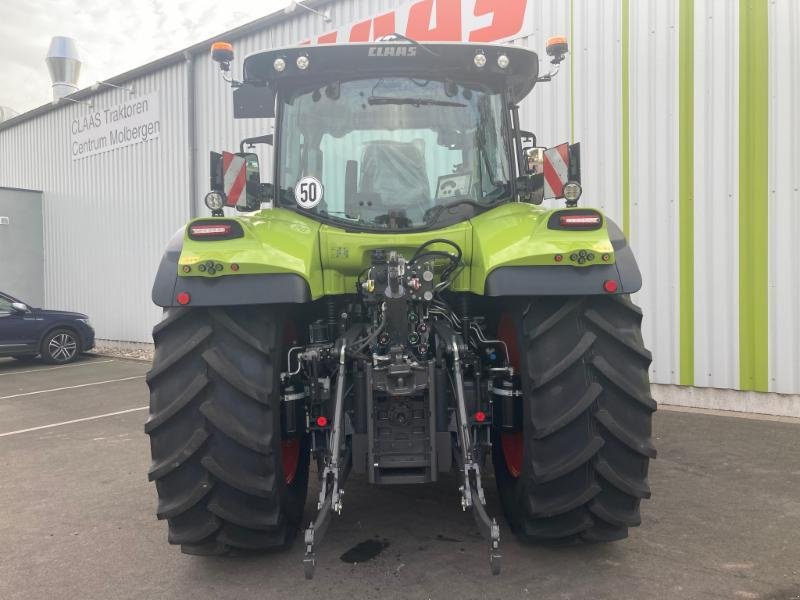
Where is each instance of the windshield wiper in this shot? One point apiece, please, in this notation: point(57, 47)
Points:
point(384, 100)
point(399, 36)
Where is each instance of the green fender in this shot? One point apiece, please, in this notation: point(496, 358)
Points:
point(280, 256)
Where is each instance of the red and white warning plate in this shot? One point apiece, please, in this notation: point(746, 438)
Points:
point(234, 175)
point(556, 170)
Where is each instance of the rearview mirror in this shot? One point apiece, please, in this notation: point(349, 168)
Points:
point(253, 186)
point(19, 307)
point(535, 160)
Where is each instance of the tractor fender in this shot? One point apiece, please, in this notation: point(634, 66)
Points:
point(568, 280)
point(273, 288)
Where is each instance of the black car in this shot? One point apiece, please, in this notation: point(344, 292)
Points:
point(58, 336)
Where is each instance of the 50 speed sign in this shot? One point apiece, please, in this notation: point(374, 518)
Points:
point(308, 192)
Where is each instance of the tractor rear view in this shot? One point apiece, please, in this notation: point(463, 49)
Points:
point(396, 304)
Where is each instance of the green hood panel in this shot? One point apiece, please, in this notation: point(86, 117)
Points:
point(516, 235)
point(330, 259)
point(275, 241)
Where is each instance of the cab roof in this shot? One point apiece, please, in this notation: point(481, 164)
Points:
point(455, 61)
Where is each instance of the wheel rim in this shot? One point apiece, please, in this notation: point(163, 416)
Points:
point(62, 347)
point(290, 451)
point(511, 443)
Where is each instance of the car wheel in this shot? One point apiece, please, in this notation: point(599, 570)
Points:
point(60, 346)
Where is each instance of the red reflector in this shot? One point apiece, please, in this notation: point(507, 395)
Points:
point(579, 220)
point(558, 258)
point(183, 298)
point(480, 416)
point(610, 286)
point(211, 230)
point(234, 267)
point(322, 421)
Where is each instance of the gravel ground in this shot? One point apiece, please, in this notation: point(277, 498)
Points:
point(123, 350)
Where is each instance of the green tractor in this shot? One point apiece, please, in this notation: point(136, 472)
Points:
point(396, 304)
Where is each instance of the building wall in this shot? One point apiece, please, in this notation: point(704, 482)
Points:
point(107, 217)
point(653, 89)
point(21, 247)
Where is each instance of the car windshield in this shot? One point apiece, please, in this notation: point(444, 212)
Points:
point(390, 153)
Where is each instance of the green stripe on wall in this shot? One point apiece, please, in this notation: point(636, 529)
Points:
point(626, 120)
point(753, 195)
point(686, 187)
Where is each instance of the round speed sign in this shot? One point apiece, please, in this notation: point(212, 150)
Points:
point(308, 192)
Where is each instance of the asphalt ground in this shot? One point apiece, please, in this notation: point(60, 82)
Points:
point(77, 515)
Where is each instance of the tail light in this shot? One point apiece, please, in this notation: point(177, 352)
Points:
point(215, 229)
point(575, 220)
point(610, 286)
point(210, 230)
point(579, 220)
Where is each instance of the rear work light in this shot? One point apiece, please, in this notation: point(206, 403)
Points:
point(578, 220)
point(210, 230)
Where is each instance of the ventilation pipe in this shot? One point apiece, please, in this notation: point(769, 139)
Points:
point(7, 113)
point(64, 64)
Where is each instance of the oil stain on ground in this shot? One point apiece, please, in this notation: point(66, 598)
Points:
point(364, 551)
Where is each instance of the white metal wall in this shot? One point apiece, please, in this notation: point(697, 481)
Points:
point(784, 189)
point(654, 176)
point(106, 218)
point(596, 59)
point(716, 194)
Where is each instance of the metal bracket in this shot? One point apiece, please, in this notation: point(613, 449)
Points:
point(330, 495)
point(472, 495)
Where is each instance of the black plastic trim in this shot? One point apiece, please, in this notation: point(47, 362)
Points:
point(232, 290)
point(164, 285)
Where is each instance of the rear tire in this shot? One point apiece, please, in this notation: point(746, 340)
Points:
point(583, 455)
point(215, 431)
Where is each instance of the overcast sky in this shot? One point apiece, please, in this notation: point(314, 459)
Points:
point(114, 36)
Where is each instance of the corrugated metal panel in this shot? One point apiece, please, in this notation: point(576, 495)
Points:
point(716, 194)
point(108, 217)
point(546, 110)
point(654, 176)
point(784, 188)
point(597, 60)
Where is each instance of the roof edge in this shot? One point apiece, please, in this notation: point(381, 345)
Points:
point(165, 61)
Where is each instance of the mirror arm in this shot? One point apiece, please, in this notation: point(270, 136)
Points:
point(518, 140)
point(553, 72)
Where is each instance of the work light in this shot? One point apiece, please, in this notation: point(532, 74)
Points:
point(572, 191)
point(215, 200)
